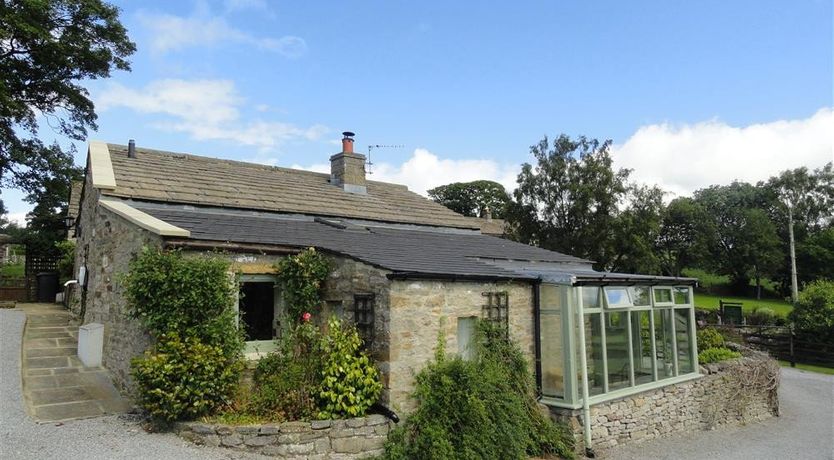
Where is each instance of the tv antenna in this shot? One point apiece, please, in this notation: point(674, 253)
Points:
point(379, 146)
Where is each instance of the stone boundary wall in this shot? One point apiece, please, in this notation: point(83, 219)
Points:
point(319, 439)
point(732, 392)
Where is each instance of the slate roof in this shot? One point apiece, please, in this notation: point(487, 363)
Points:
point(181, 178)
point(75, 198)
point(402, 249)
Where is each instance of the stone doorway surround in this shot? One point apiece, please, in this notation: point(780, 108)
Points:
point(56, 385)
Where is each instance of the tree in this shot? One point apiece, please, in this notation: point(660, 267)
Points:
point(813, 314)
point(47, 48)
point(473, 199)
point(568, 201)
point(637, 230)
point(805, 198)
point(742, 240)
point(681, 243)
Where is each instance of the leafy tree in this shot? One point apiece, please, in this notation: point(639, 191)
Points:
point(473, 198)
point(813, 314)
point(815, 256)
point(637, 230)
point(804, 201)
point(568, 201)
point(47, 48)
point(742, 240)
point(681, 243)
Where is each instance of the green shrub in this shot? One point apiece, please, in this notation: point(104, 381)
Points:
point(479, 409)
point(187, 304)
point(709, 337)
point(716, 354)
point(813, 314)
point(763, 316)
point(184, 378)
point(349, 380)
point(302, 277)
point(66, 261)
point(287, 380)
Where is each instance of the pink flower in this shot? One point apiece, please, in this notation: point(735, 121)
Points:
point(306, 317)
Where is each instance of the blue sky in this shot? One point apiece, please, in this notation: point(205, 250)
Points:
point(692, 93)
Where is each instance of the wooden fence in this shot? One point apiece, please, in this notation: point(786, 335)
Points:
point(782, 343)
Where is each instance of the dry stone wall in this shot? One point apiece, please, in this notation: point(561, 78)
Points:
point(729, 393)
point(320, 439)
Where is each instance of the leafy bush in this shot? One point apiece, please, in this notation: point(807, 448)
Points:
point(484, 408)
point(350, 381)
point(764, 316)
point(186, 303)
point(813, 314)
point(302, 277)
point(287, 380)
point(716, 354)
point(184, 378)
point(709, 337)
point(66, 261)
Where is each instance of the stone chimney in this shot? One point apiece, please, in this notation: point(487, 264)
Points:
point(347, 169)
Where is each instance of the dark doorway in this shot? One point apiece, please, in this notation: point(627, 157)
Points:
point(257, 305)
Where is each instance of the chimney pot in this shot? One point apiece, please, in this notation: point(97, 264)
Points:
point(347, 169)
point(131, 149)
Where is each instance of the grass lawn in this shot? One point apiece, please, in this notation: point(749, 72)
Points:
point(710, 302)
point(809, 367)
point(12, 270)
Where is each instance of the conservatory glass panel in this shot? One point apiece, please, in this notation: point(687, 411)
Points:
point(617, 350)
point(552, 341)
point(682, 296)
point(593, 353)
point(662, 295)
point(664, 343)
point(641, 338)
point(590, 297)
point(640, 296)
point(682, 331)
point(617, 297)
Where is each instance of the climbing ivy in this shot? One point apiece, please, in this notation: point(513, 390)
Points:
point(302, 277)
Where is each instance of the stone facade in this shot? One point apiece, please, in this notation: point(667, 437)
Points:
point(105, 245)
point(422, 311)
point(320, 439)
point(722, 396)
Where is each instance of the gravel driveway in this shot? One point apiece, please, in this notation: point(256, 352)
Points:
point(805, 430)
point(99, 438)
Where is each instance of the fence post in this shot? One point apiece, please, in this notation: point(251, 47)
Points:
point(793, 358)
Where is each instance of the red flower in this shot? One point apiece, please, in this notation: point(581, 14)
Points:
point(306, 317)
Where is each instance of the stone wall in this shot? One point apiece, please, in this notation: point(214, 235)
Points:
point(320, 439)
point(421, 311)
point(725, 395)
point(105, 244)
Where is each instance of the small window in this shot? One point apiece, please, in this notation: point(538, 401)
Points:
point(617, 297)
point(639, 296)
point(466, 337)
point(363, 316)
point(662, 295)
point(590, 297)
point(682, 296)
point(497, 306)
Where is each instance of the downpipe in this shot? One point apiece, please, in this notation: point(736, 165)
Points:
point(388, 413)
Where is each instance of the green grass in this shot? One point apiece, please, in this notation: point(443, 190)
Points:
point(710, 302)
point(809, 367)
point(12, 270)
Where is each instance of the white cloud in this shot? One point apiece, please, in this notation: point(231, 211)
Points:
point(425, 170)
point(240, 5)
point(685, 158)
point(174, 33)
point(205, 109)
point(18, 218)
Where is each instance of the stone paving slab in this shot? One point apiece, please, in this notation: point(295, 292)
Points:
point(56, 385)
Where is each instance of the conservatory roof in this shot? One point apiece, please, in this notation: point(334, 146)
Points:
point(582, 274)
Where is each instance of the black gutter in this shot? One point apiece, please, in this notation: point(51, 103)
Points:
point(604, 281)
point(537, 334)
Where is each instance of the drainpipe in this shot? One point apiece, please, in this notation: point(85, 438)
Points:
point(583, 364)
point(537, 327)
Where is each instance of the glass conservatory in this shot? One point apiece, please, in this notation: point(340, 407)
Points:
point(626, 335)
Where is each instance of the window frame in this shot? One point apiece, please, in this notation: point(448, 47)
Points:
point(364, 318)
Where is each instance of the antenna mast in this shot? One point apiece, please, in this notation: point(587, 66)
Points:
point(379, 146)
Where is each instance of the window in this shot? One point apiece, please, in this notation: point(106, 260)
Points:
point(551, 301)
point(684, 339)
point(466, 336)
point(641, 346)
point(617, 297)
point(590, 297)
point(617, 349)
point(664, 343)
point(593, 350)
point(639, 296)
point(682, 296)
point(496, 308)
point(363, 316)
point(662, 296)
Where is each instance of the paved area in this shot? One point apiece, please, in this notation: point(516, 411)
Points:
point(102, 438)
point(56, 385)
point(805, 430)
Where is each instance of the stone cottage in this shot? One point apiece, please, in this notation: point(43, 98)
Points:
point(405, 270)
